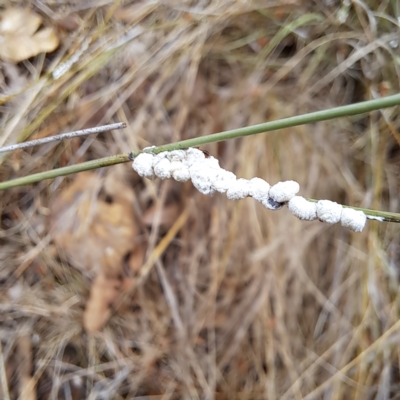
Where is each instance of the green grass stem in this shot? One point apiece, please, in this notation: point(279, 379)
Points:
point(71, 169)
point(338, 112)
point(324, 115)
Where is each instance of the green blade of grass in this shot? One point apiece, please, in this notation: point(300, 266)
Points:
point(324, 115)
point(64, 171)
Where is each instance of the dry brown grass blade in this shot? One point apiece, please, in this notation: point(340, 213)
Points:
point(373, 347)
point(4, 383)
point(162, 245)
point(27, 387)
point(242, 303)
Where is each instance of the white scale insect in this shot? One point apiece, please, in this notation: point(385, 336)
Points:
point(208, 177)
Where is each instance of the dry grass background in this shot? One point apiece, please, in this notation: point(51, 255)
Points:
point(243, 303)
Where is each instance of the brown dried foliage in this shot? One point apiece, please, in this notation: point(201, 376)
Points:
point(243, 302)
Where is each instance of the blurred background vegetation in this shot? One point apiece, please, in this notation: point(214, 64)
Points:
point(115, 287)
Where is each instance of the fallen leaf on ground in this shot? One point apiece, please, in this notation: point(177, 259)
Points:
point(20, 38)
point(93, 223)
point(94, 227)
point(102, 294)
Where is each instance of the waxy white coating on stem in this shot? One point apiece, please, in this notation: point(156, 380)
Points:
point(181, 175)
point(223, 180)
point(175, 165)
point(143, 165)
point(158, 157)
point(375, 218)
point(179, 171)
point(203, 174)
point(238, 190)
point(208, 177)
point(149, 148)
point(302, 208)
point(284, 191)
point(163, 169)
point(193, 155)
point(353, 219)
point(329, 211)
point(176, 155)
point(259, 189)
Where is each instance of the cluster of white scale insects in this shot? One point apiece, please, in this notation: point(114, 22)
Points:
point(208, 177)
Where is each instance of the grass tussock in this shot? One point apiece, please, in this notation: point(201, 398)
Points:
point(117, 287)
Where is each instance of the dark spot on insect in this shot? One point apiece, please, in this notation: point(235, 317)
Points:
point(130, 156)
point(273, 205)
point(205, 152)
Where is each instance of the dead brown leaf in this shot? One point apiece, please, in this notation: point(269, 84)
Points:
point(94, 228)
point(20, 38)
point(102, 294)
point(94, 225)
